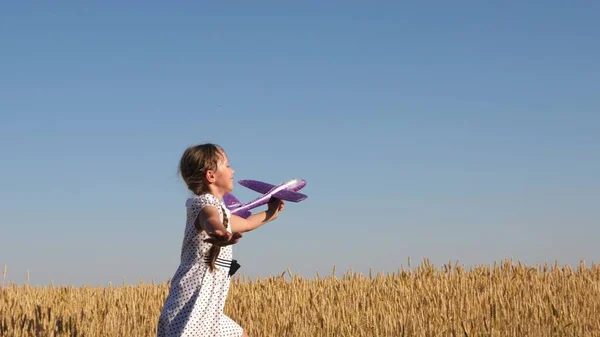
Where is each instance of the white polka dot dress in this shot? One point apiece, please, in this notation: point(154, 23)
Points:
point(194, 306)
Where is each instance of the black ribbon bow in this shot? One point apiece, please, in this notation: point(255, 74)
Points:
point(234, 267)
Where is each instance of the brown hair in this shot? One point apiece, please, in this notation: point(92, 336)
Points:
point(195, 162)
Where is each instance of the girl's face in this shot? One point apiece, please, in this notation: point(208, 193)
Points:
point(224, 175)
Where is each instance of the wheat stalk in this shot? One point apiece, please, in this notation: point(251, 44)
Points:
point(505, 299)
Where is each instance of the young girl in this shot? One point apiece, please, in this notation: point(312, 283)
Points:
point(194, 306)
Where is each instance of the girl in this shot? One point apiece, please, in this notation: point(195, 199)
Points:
point(194, 306)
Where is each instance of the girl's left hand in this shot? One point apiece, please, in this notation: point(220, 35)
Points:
point(218, 238)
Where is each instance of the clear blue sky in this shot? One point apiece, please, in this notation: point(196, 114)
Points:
point(454, 131)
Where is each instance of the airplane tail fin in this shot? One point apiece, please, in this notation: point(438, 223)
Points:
point(243, 214)
point(231, 201)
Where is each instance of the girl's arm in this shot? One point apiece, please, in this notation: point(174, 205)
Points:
point(241, 225)
point(209, 220)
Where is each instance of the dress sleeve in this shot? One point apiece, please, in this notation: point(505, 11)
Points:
point(196, 204)
point(199, 202)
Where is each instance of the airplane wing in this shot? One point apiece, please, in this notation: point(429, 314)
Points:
point(290, 196)
point(257, 186)
point(231, 201)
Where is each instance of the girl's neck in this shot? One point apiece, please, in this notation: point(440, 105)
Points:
point(215, 191)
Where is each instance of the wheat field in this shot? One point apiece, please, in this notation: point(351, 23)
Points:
point(504, 299)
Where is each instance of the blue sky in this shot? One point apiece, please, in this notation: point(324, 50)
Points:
point(463, 131)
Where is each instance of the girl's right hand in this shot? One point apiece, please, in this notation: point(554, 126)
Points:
point(219, 238)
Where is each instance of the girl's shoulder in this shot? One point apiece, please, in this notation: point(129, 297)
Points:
point(199, 201)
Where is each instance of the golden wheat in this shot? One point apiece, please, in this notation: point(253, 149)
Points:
point(505, 299)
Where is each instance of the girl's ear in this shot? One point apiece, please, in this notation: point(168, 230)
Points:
point(210, 176)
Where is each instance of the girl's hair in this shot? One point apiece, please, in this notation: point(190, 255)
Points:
point(195, 162)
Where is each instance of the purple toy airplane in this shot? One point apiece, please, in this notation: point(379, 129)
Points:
point(286, 191)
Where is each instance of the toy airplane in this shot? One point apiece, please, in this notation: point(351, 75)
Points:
point(287, 191)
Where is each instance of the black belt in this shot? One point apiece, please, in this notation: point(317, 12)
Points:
point(233, 265)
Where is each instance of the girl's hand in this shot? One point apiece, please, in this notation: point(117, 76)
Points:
point(275, 206)
point(219, 238)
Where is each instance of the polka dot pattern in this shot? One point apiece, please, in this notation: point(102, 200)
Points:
point(194, 306)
